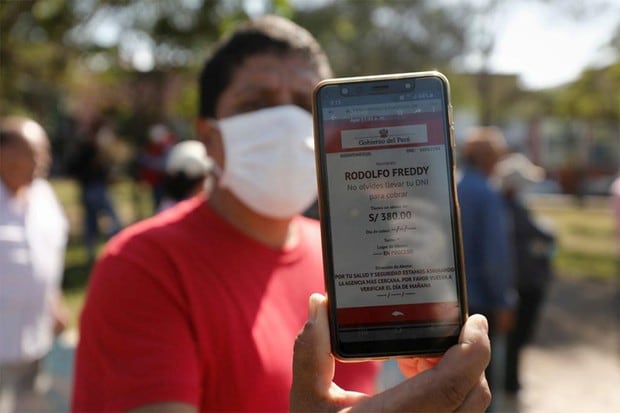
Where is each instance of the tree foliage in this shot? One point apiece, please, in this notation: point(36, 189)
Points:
point(138, 60)
point(378, 36)
point(594, 96)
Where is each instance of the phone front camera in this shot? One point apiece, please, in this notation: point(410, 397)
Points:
point(344, 90)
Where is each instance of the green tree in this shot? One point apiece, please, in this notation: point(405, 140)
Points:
point(379, 36)
point(594, 96)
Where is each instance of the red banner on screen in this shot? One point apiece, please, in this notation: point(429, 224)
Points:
point(434, 123)
point(397, 314)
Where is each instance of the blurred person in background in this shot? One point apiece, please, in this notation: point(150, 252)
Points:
point(486, 242)
point(187, 168)
point(90, 166)
point(534, 243)
point(152, 161)
point(614, 190)
point(33, 237)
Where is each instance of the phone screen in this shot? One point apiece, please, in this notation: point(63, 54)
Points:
point(389, 216)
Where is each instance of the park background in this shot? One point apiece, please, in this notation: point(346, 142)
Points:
point(135, 64)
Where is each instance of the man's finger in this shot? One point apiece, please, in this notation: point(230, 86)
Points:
point(313, 364)
point(460, 368)
point(446, 386)
point(478, 400)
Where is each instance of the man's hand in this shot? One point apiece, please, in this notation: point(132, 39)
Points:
point(60, 315)
point(454, 383)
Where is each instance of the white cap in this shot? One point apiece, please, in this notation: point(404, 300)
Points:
point(189, 157)
point(517, 171)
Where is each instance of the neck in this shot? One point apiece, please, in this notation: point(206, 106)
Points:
point(15, 191)
point(275, 233)
point(480, 169)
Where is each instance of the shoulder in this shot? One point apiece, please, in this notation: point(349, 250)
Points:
point(475, 185)
point(42, 188)
point(44, 196)
point(470, 179)
point(159, 235)
point(144, 258)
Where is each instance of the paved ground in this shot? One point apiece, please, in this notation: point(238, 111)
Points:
point(573, 364)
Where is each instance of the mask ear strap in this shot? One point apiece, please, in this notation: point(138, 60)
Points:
point(216, 170)
point(212, 178)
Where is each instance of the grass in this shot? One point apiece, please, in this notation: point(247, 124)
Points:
point(586, 245)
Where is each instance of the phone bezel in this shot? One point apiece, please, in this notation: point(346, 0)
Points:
point(368, 350)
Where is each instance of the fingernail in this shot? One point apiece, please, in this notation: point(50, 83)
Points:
point(484, 325)
point(313, 307)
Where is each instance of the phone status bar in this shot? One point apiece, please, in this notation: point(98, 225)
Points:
point(382, 111)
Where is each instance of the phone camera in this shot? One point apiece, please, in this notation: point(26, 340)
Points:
point(407, 85)
point(344, 90)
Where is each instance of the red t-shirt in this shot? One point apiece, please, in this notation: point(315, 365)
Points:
point(184, 307)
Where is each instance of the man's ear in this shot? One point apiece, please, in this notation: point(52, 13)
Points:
point(208, 132)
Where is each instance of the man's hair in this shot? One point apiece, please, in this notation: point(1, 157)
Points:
point(264, 35)
point(8, 137)
point(10, 129)
point(481, 142)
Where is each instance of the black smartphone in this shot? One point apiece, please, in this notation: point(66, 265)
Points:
point(389, 214)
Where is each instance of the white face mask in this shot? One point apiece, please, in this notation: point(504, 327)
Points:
point(269, 162)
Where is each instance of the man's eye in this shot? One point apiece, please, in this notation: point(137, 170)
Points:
point(251, 106)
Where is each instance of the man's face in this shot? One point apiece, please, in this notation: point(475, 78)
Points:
point(261, 81)
point(268, 80)
point(25, 158)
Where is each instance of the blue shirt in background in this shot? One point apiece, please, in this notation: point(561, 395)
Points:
point(486, 244)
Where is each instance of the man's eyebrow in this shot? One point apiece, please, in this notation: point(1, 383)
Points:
point(9, 136)
point(250, 87)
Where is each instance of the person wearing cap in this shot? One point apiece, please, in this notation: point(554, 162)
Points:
point(187, 167)
point(151, 161)
point(486, 243)
point(534, 242)
point(33, 237)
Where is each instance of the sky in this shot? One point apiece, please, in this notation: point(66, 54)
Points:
point(548, 47)
point(540, 41)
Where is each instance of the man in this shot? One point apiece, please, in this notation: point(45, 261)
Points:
point(534, 242)
point(614, 191)
point(90, 166)
point(486, 242)
point(198, 308)
point(152, 159)
point(33, 236)
point(187, 168)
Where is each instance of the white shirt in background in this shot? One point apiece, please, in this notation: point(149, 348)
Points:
point(33, 237)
